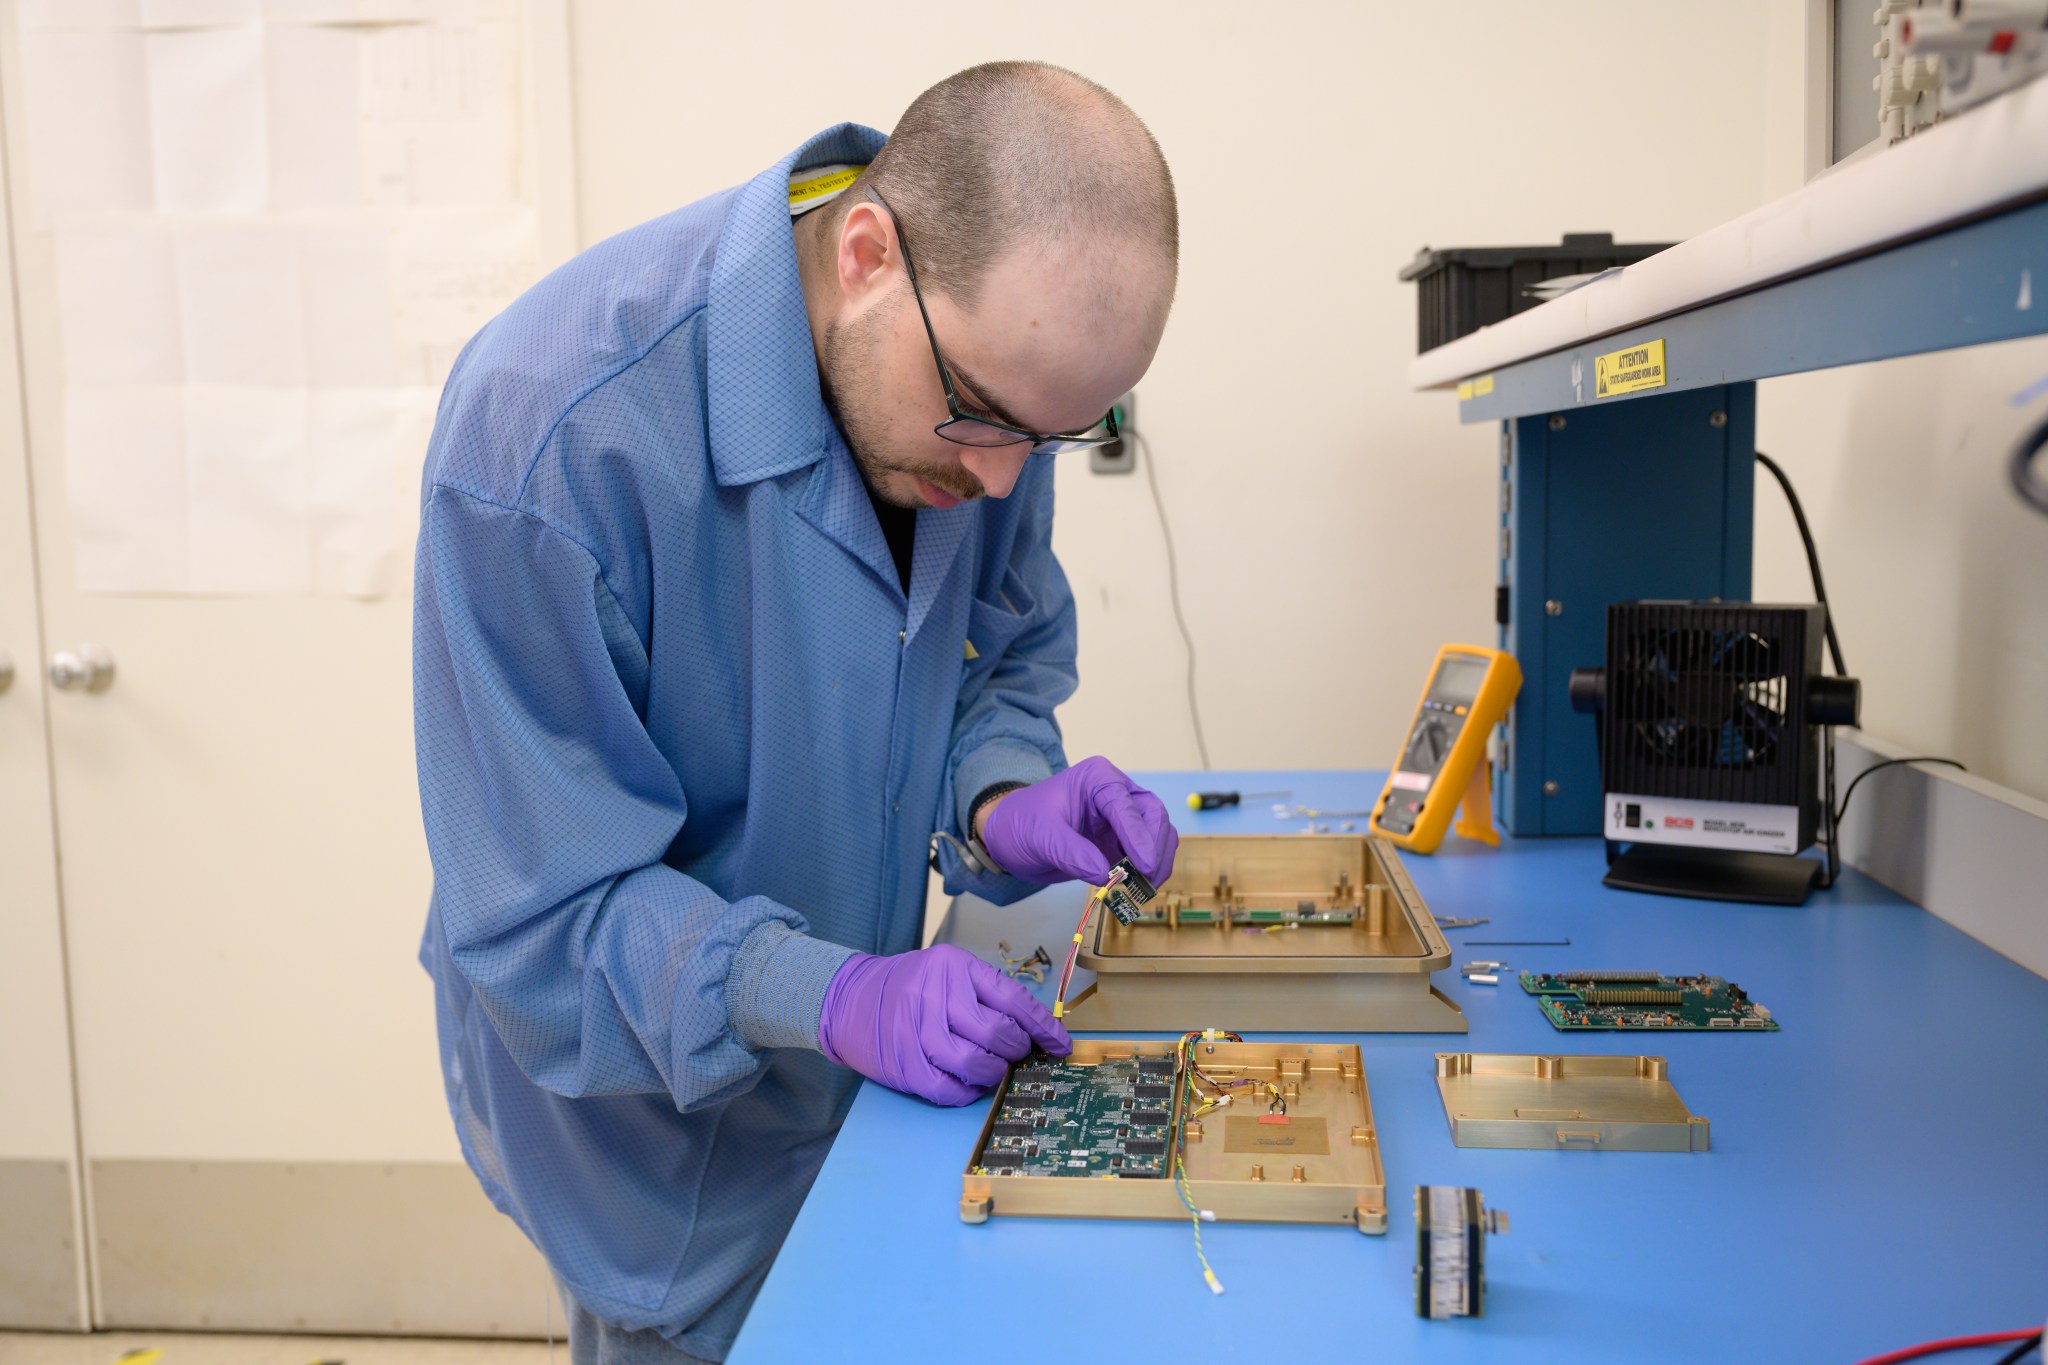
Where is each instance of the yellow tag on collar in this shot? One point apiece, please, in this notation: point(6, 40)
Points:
point(972, 652)
point(815, 185)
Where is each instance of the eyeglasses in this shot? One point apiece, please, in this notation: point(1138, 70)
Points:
point(970, 426)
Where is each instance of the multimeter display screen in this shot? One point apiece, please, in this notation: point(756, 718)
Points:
point(1458, 678)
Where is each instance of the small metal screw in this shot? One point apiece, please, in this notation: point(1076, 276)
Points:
point(1553, 607)
point(1550, 788)
point(1717, 418)
point(1557, 421)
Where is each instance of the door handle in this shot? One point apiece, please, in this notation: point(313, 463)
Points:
point(85, 669)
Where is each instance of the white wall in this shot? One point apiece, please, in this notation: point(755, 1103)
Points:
point(1316, 147)
point(1936, 571)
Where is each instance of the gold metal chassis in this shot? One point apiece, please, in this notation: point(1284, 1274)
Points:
point(1372, 976)
point(1549, 1102)
point(1323, 1081)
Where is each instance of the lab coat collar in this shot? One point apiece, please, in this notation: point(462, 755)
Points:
point(765, 410)
point(836, 502)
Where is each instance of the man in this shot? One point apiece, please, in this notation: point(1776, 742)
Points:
point(735, 584)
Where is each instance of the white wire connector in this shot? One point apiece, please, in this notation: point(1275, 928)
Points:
point(1215, 1285)
point(1206, 1215)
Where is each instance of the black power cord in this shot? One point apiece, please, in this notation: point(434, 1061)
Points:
point(1820, 591)
point(2012, 1357)
point(2027, 481)
point(1173, 591)
point(1843, 809)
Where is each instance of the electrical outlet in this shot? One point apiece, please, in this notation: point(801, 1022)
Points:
point(1119, 457)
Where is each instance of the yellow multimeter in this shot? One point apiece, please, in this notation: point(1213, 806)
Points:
point(1443, 761)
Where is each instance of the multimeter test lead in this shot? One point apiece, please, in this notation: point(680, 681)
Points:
point(1220, 800)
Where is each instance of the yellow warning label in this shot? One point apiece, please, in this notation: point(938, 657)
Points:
point(1638, 367)
point(1464, 390)
point(1475, 388)
point(803, 191)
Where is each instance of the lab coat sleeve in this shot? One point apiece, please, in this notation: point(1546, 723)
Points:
point(1003, 730)
point(548, 809)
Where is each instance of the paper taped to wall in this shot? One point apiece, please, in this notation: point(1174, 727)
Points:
point(275, 224)
point(216, 489)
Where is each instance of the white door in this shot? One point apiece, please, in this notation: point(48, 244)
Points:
point(42, 1270)
point(264, 1135)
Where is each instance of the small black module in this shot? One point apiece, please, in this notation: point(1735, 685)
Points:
point(1146, 1090)
point(1000, 1157)
point(1032, 1075)
point(1149, 1118)
point(1156, 1066)
point(1146, 1147)
point(1012, 1128)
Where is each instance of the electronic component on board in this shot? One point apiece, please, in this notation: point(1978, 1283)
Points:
point(1451, 1226)
point(1126, 890)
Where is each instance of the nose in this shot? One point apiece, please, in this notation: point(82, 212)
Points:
point(997, 467)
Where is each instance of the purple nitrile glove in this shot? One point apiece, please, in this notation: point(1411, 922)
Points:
point(1074, 824)
point(936, 1023)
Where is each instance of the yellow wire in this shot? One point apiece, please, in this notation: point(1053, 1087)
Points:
point(1059, 1004)
point(1180, 1173)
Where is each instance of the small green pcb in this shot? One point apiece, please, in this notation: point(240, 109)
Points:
point(1060, 1118)
point(1645, 1000)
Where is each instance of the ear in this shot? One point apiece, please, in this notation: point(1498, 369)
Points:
point(867, 251)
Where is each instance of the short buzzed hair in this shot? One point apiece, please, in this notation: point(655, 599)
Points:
point(1012, 154)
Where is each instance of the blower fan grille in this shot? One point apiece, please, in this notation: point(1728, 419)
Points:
point(1708, 701)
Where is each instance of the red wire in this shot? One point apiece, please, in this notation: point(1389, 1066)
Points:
point(1929, 1348)
point(1059, 995)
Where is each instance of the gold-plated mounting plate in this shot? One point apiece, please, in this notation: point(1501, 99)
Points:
point(1552, 1102)
point(1321, 1166)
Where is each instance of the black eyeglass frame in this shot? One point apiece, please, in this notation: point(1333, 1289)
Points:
point(1042, 443)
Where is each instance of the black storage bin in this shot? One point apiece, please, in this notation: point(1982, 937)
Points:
point(1464, 288)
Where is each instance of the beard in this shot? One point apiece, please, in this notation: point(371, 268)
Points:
point(846, 371)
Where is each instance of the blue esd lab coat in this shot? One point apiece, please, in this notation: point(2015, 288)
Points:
point(683, 741)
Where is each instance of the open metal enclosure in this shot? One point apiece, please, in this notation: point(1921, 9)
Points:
point(1322, 1167)
point(1324, 933)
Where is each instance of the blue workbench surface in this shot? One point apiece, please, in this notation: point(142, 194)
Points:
point(1879, 1172)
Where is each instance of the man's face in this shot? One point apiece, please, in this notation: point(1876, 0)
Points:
point(1055, 337)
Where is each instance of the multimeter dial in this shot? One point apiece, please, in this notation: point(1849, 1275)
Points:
point(1438, 723)
point(1468, 693)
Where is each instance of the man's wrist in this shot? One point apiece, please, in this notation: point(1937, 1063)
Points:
point(775, 987)
point(978, 813)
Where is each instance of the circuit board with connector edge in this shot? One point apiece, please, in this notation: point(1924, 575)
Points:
point(1110, 1118)
point(1588, 1000)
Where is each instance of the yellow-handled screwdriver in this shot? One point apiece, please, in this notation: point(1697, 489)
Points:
point(1219, 800)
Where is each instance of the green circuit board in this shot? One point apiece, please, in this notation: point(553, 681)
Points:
point(1060, 1118)
point(1645, 1000)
